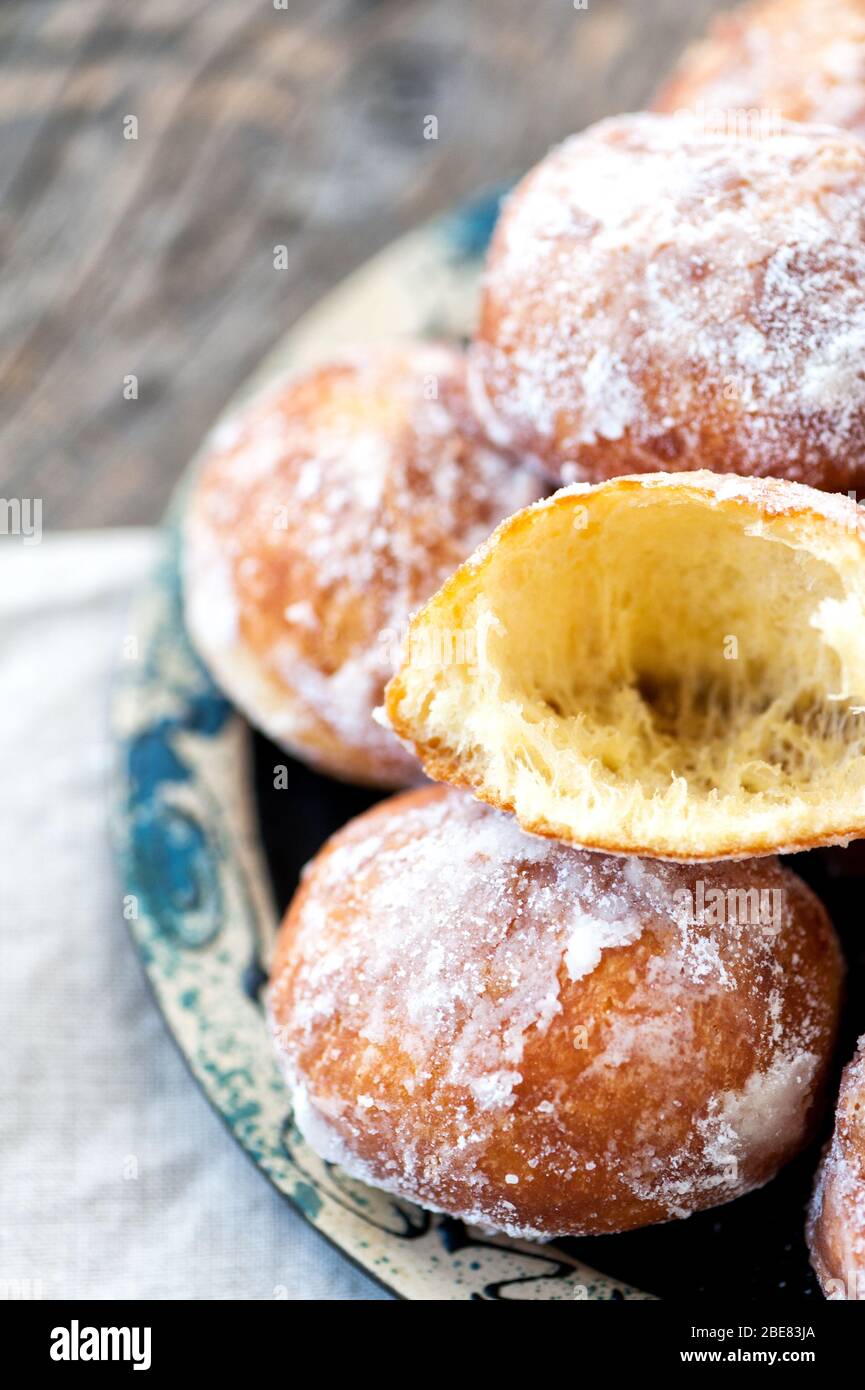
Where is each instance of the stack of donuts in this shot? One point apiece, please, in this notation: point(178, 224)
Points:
point(571, 989)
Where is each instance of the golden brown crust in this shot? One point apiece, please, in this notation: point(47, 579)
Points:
point(836, 1222)
point(660, 297)
point(323, 515)
point(542, 1041)
point(794, 59)
point(445, 760)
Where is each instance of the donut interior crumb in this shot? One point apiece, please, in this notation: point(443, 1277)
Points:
point(659, 673)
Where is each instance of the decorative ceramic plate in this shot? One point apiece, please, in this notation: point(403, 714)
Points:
point(210, 855)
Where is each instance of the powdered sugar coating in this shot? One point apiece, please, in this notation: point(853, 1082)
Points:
point(836, 1224)
point(324, 515)
point(659, 296)
point(542, 1040)
point(776, 58)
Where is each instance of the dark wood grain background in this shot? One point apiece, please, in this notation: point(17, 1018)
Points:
point(257, 126)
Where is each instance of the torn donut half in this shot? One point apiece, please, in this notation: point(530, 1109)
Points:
point(669, 665)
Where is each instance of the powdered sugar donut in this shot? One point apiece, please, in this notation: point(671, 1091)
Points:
point(836, 1224)
point(545, 1041)
point(323, 515)
point(695, 688)
point(776, 58)
point(660, 296)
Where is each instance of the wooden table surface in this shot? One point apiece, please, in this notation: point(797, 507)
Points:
point(259, 123)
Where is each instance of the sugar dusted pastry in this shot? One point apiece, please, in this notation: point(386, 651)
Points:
point(670, 665)
point(544, 1041)
point(800, 59)
point(836, 1224)
point(324, 514)
point(660, 296)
